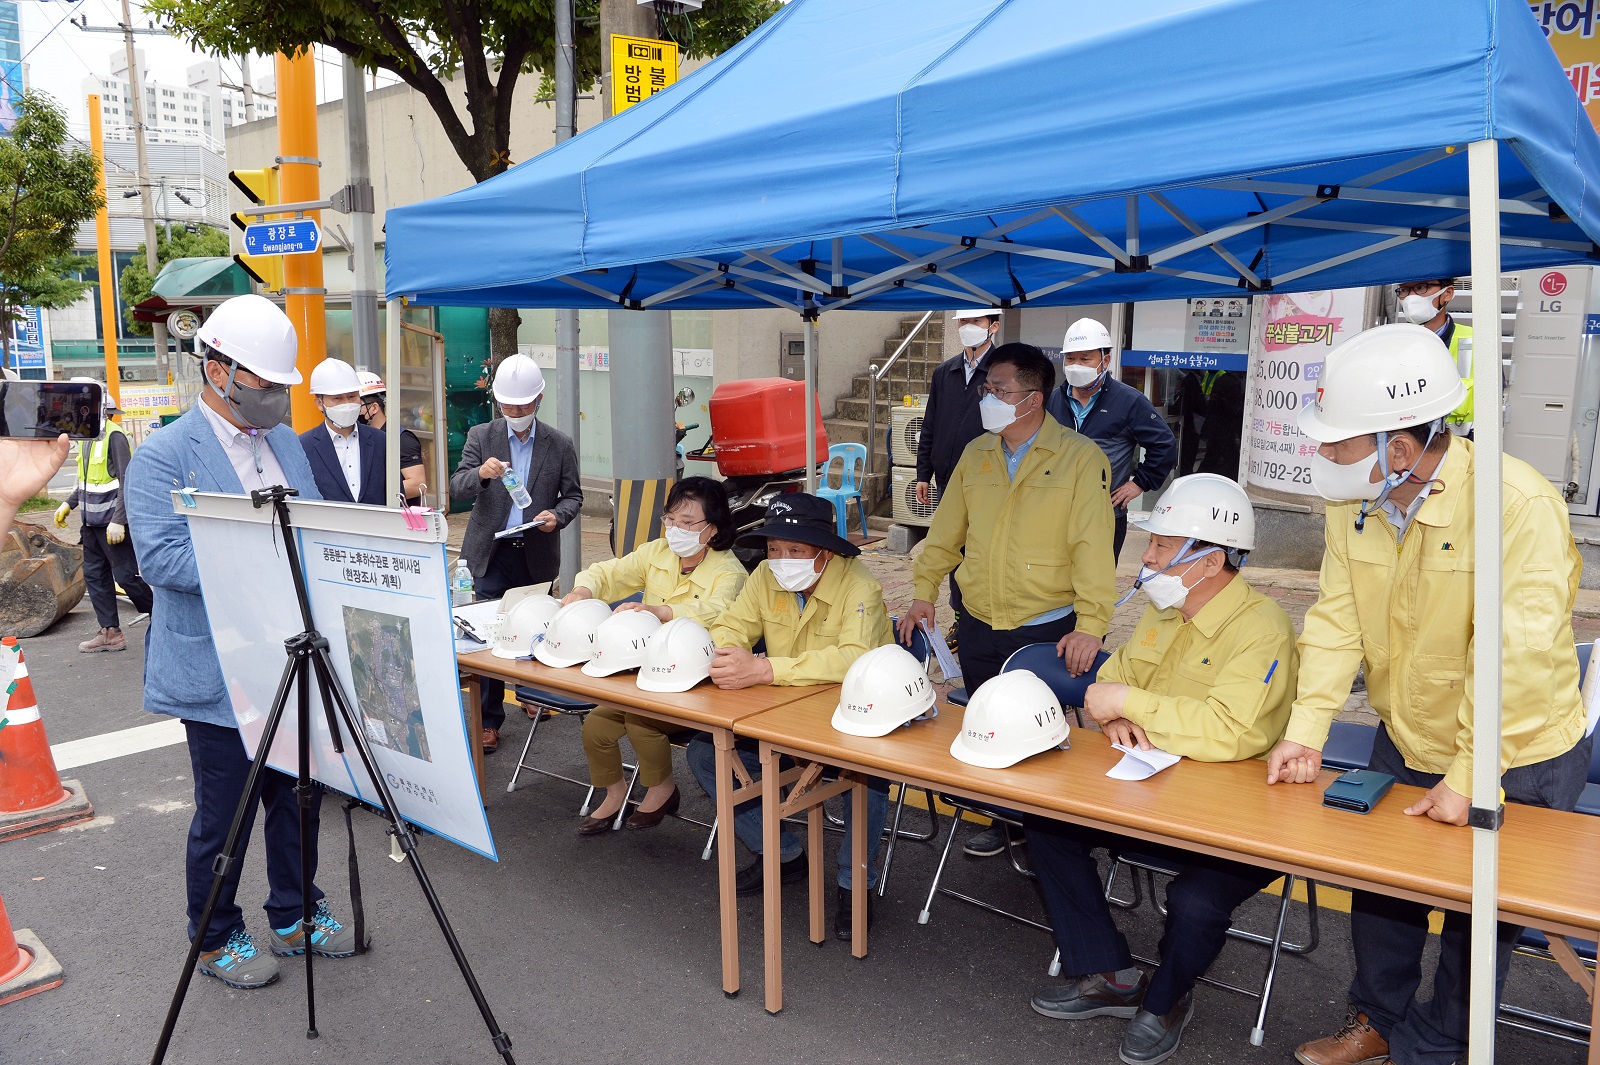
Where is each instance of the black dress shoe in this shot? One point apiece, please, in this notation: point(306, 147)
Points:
point(844, 915)
point(1151, 1038)
point(652, 818)
point(749, 880)
point(593, 826)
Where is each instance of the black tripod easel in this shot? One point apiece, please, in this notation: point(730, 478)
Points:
point(308, 652)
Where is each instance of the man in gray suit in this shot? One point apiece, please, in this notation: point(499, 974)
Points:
point(543, 459)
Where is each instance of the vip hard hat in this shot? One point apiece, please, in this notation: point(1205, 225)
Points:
point(524, 626)
point(620, 642)
point(1387, 377)
point(1011, 717)
point(975, 312)
point(254, 333)
point(678, 658)
point(334, 377)
point(885, 688)
point(518, 380)
point(1086, 334)
point(570, 638)
point(1203, 506)
point(371, 383)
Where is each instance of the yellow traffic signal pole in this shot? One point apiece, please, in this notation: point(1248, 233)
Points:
point(102, 238)
point(297, 182)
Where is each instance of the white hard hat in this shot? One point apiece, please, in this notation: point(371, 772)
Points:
point(1010, 717)
point(371, 383)
point(975, 312)
point(253, 332)
point(525, 626)
point(620, 642)
point(518, 380)
point(570, 638)
point(1205, 506)
point(1387, 377)
point(885, 688)
point(678, 658)
point(334, 377)
point(10, 374)
point(1086, 334)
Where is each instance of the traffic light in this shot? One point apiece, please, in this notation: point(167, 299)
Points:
point(261, 188)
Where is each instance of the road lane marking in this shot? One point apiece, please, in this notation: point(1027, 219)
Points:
point(108, 745)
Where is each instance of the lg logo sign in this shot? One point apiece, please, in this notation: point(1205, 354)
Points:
point(1552, 284)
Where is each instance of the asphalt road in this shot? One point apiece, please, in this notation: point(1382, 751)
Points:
point(594, 950)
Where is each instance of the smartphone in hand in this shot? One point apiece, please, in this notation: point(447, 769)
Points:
point(33, 410)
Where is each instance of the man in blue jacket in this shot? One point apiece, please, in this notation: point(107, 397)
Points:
point(232, 440)
point(1116, 416)
point(347, 458)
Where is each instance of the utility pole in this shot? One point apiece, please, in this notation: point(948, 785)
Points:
point(358, 164)
point(158, 330)
point(298, 182)
point(643, 444)
point(568, 407)
point(246, 87)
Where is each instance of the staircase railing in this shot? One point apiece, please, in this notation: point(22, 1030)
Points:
point(876, 374)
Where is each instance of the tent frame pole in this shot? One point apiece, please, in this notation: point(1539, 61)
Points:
point(810, 314)
point(1483, 186)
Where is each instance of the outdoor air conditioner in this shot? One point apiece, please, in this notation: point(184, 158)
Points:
point(905, 429)
point(907, 511)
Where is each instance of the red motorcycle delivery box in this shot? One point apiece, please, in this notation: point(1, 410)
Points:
point(758, 426)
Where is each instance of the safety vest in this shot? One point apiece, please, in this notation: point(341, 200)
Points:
point(99, 487)
point(1462, 415)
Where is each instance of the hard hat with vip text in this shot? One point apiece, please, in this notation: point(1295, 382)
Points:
point(883, 689)
point(1010, 717)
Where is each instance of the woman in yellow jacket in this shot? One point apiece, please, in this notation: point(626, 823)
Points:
point(689, 572)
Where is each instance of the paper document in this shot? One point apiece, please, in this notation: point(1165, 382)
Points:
point(517, 529)
point(478, 615)
point(1141, 765)
point(1589, 690)
point(941, 651)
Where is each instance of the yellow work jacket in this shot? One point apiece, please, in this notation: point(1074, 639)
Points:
point(1216, 687)
point(844, 618)
point(654, 570)
point(1462, 415)
point(1405, 609)
point(1033, 544)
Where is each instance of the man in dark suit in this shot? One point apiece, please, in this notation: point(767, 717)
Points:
point(545, 463)
point(347, 458)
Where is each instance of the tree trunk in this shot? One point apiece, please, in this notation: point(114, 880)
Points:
point(5, 338)
point(502, 335)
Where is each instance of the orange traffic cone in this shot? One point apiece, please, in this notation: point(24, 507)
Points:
point(26, 967)
point(32, 797)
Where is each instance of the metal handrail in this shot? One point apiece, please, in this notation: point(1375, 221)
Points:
point(874, 375)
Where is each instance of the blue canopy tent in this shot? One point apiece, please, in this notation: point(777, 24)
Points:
point(914, 154)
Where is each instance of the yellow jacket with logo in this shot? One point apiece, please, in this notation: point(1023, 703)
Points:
point(1035, 544)
point(654, 570)
point(1406, 610)
point(844, 618)
point(1462, 414)
point(1217, 687)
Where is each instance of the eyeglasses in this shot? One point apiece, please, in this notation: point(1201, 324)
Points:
point(990, 390)
point(1418, 288)
point(669, 522)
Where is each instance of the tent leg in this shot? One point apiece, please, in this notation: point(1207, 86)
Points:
point(811, 402)
point(1483, 185)
point(395, 315)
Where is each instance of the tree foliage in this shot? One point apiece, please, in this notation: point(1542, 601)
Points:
point(48, 188)
point(135, 280)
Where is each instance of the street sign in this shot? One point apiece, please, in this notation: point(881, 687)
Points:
point(640, 68)
point(294, 236)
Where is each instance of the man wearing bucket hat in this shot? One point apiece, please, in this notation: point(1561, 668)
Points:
point(1208, 674)
point(540, 457)
point(819, 609)
point(233, 440)
point(1397, 596)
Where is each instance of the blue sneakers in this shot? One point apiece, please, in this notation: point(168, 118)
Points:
point(239, 963)
point(329, 938)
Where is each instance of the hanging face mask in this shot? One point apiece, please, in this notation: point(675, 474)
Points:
point(684, 543)
point(1418, 310)
point(972, 335)
point(343, 415)
point(1081, 376)
point(1345, 483)
point(1164, 589)
point(258, 408)
point(793, 574)
point(996, 413)
point(520, 425)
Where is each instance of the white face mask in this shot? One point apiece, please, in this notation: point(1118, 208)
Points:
point(684, 542)
point(343, 415)
point(996, 413)
point(793, 574)
point(1081, 376)
point(972, 335)
point(1345, 483)
point(1418, 310)
point(520, 425)
point(1165, 590)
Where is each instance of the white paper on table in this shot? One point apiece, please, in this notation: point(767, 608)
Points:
point(1590, 691)
point(941, 653)
point(1141, 765)
point(479, 616)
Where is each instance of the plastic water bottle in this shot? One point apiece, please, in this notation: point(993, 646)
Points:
point(513, 483)
point(461, 584)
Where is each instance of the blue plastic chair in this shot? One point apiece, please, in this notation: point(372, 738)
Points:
point(853, 459)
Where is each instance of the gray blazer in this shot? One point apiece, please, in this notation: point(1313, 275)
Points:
point(552, 482)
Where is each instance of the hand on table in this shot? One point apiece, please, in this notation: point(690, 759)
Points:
point(1293, 763)
point(1442, 803)
point(1125, 732)
point(920, 610)
point(735, 667)
point(1077, 651)
point(1104, 703)
point(1125, 493)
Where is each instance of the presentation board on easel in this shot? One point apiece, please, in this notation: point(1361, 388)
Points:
point(379, 592)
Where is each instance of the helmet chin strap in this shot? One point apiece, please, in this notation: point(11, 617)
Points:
point(1392, 480)
point(1179, 557)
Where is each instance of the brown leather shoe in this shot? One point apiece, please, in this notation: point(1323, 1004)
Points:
point(1356, 1043)
point(652, 818)
point(593, 826)
point(491, 740)
point(104, 640)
